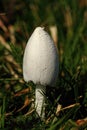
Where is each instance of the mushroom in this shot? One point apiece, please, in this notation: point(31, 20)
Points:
point(40, 65)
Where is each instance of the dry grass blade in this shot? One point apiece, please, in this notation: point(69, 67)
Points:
point(26, 103)
point(54, 33)
point(68, 107)
point(59, 109)
point(24, 91)
point(30, 112)
point(2, 13)
point(81, 122)
point(3, 42)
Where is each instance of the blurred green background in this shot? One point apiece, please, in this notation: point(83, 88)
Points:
point(66, 22)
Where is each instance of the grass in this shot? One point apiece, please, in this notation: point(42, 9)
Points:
point(17, 97)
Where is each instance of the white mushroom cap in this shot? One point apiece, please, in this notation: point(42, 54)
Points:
point(40, 62)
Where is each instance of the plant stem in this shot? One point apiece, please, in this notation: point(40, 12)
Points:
point(40, 100)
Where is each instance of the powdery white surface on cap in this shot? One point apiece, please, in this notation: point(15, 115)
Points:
point(40, 61)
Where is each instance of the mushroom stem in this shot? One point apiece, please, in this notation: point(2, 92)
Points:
point(40, 100)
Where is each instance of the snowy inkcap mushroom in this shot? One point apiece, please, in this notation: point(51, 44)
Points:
point(40, 65)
